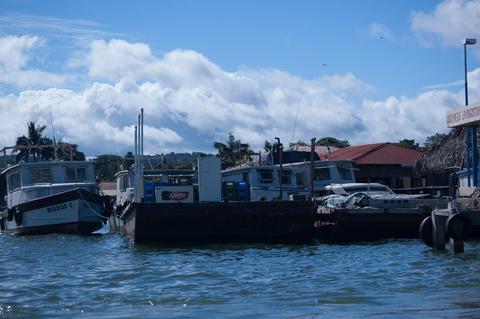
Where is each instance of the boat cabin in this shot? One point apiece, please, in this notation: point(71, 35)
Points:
point(28, 181)
point(262, 183)
point(326, 173)
point(159, 186)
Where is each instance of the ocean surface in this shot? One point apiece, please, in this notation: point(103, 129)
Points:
point(67, 276)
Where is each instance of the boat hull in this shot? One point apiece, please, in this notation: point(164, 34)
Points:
point(344, 225)
point(73, 212)
point(191, 223)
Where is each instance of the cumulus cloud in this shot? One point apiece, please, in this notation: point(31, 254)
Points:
point(450, 22)
point(14, 57)
point(13, 51)
point(189, 102)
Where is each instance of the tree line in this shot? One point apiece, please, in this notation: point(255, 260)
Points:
point(233, 152)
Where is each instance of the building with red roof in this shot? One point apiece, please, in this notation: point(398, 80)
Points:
point(386, 163)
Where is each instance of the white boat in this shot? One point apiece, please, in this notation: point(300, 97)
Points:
point(159, 186)
point(52, 197)
point(262, 182)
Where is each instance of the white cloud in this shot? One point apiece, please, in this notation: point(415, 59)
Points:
point(77, 32)
point(451, 22)
point(380, 31)
point(189, 102)
point(13, 51)
point(15, 54)
point(419, 117)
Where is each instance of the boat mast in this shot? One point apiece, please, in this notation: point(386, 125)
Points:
point(138, 159)
point(53, 134)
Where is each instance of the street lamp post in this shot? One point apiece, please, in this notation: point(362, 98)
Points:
point(471, 133)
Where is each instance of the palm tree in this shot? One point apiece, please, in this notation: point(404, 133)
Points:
point(233, 152)
point(28, 145)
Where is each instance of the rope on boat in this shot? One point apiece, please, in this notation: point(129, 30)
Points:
point(90, 207)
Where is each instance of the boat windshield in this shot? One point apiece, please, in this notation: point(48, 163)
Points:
point(75, 174)
point(170, 179)
point(39, 175)
point(382, 189)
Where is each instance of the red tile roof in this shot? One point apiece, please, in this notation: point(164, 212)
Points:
point(378, 153)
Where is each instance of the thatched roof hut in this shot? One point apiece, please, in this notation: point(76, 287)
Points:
point(444, 156)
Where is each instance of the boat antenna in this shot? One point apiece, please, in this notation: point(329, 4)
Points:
point(53, 133)
point(295, 123)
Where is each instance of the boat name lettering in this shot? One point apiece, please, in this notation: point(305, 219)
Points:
point(56, 208)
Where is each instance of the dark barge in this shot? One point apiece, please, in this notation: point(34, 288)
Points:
point(345, 225)
point(218, 222)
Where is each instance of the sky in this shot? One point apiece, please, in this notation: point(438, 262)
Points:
point(366, 71)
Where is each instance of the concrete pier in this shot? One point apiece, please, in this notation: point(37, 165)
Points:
point(453, 224)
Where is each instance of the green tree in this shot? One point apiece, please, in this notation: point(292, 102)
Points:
point(298, 143)
point(28, 145)
point(106, 166)
point(409, 144)
point(233, 152)
point(268, 147)
point(332, 141)
point(63, 151)
point(127, 160)
point(435, 139)
point(40, 147)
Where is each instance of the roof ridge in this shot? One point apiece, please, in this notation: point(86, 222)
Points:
point(379, 146)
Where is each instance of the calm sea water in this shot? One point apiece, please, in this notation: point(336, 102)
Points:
point(60, 276)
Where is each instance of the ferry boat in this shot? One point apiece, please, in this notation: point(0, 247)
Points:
point(52, 197)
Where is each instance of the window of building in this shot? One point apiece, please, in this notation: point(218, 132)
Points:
point(344, 173)
point(265, 176)
point(321, 173)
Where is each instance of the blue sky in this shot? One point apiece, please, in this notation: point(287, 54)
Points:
point(366, 71)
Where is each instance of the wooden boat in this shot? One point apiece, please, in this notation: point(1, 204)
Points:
point(52, 197)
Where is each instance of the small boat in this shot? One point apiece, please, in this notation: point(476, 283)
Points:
point(51, 197)
point(365, 211)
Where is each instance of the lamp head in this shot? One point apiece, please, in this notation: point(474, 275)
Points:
point(469, 41)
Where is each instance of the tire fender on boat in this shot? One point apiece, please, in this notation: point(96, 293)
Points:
point(18, 216)
point(10, 214)
point(458, 226)
point(426, 231)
